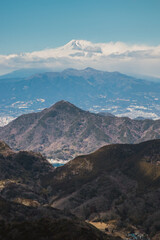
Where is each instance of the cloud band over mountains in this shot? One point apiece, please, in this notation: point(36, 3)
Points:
point(118, 56)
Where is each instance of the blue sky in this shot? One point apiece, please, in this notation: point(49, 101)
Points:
point(37, 24)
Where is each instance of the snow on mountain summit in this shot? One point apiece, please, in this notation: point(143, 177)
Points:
point(83, 46)
point(110, 56)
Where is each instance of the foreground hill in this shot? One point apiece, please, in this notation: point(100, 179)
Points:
point(21, 222)
point(24, 210)
point(118, 183)
point(89, 89)
point(64, 131)
point(20, 176)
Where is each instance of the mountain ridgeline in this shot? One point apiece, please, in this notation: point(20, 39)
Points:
point(25, 212)
point(118, 183)
point(64, 131)
point(88, 89)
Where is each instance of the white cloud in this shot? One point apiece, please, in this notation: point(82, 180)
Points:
point(134, 114)
point(118, 56)
point(4, 120)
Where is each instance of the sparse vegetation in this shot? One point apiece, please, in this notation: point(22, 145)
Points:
point(84, 132)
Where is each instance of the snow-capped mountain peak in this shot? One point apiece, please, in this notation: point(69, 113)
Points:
point(110, 56)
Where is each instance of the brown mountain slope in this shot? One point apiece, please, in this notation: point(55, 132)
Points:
point(24, 210)
point(118, 182)
point(20, 176)
point(19, 222)
point(64, 131)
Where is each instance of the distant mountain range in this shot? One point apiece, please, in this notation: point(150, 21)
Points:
point(23, 73)
point(89, 89)
point(64, 131)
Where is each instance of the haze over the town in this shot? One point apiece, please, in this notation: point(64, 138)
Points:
point(111, 35)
